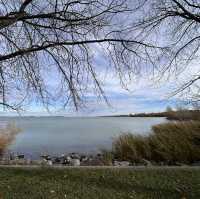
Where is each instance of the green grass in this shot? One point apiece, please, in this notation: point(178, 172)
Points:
point(84, 183)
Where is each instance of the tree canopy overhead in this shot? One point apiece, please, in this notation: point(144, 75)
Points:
point(61, 38)
point(38, 36)
point(176, 25)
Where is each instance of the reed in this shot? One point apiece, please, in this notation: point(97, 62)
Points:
point(131, 147)
point(107, 157)
point(176, 142)
point(171, 143)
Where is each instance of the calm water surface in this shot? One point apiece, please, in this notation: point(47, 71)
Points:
point(57, 135)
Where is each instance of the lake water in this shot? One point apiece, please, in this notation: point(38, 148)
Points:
point(57, 135)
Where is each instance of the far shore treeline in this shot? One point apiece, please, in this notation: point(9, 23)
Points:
point(179, 115)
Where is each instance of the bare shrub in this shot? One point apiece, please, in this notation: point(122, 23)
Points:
point(7, 136)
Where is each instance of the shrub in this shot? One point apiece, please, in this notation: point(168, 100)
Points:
point(183, 115)
point(170, 143)
point(176, 142)
point(7, 135)
point(131, 147)
point(107, 157)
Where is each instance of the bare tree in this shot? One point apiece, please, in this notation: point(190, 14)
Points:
point(60, 37)
point(44, 41)
point(173, 24)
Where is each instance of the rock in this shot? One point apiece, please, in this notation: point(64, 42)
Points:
point(147, 162)
point(75, 162)
point(49, 162)
point(45, 157)
point(83, 158)
point(75, 156)
point(122, 163)
point(65, 160)
point(21, 156)
point(68, 160)
point(56, 160)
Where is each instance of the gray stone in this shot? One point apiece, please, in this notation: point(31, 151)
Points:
point(147, 162)
point(122, 163)
point(75, 162)
point(49, 162)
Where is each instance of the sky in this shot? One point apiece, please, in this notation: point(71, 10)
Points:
point(143, 94)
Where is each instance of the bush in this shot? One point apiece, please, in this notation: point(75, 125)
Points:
point(169, 143)
point(176, 142)
point(131, 147)
point(107, 157)
point(183, 115)
point(7, 135)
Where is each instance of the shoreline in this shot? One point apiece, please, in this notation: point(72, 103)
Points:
point(82, 160)
point(101, 167)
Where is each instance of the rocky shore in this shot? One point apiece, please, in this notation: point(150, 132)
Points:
point(72, 159)
point(75, 159)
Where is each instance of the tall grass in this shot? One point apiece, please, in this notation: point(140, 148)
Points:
point(7, 136)
point(169, 143)
point(183, 115)
point(107, 157)
point(131, 147)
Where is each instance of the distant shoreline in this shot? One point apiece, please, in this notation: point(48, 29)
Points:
point(100, 116)
point(162, 114)
point(129, 116)
point(170, 115)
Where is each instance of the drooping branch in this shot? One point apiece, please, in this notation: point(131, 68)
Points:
point(66, 36)
point(22, 52)
point(176, 24)
point(62, 34)
point(24, 5)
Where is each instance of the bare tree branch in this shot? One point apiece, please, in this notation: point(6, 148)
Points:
point(24, 5)
point(63, 37)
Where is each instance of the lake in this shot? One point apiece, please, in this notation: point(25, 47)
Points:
point(58, 135)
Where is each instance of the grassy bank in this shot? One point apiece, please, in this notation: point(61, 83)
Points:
point(99, 183)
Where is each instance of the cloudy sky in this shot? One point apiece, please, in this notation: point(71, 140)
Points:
point(144, 94)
